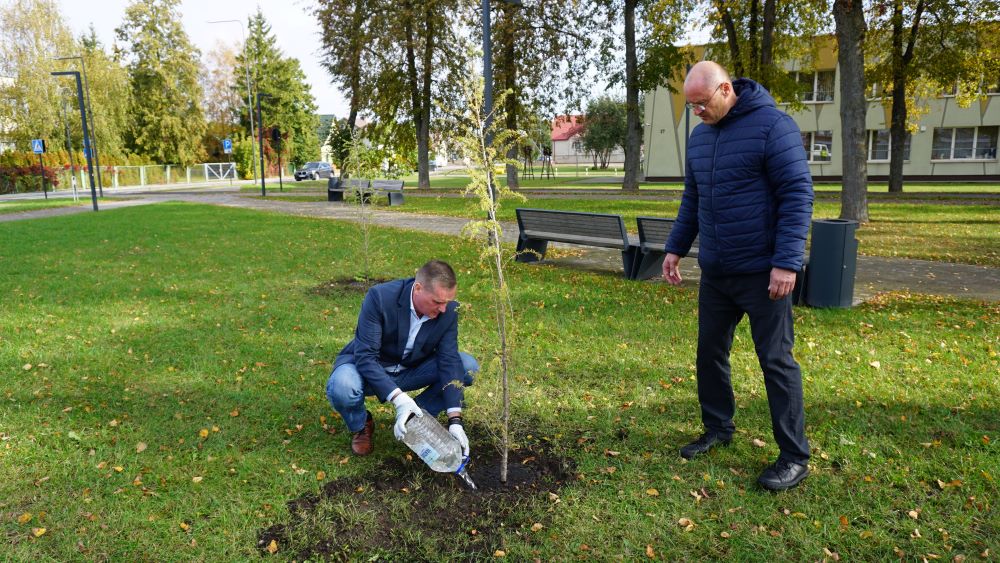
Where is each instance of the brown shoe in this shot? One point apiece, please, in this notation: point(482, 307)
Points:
point(362, 443)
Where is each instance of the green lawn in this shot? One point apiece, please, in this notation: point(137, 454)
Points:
point(20, 205)
point(163, 400)
point(968, 234)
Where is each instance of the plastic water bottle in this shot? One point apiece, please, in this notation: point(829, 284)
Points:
point(436, 446)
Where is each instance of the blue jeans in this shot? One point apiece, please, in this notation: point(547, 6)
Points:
point(346, 389)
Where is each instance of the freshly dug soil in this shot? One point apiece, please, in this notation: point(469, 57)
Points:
point(345, 285)
point(404, 511)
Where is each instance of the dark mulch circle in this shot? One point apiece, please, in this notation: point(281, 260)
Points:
point(337, 286)
point(401, 510)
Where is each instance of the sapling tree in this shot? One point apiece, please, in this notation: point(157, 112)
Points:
point(485, 141)
point(363, 161)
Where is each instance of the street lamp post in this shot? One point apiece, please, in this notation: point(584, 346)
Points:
point(246, 69)
point(488, 79)
point(93, 122)
point(86, 132)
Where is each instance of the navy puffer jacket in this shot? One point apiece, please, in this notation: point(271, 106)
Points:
point(747, 189)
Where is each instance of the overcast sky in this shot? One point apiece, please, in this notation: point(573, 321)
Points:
point(295, 31)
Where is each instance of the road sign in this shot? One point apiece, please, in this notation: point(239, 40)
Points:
point(38, 146)
point(227, 146)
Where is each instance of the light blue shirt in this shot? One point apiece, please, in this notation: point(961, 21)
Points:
point(415, 324)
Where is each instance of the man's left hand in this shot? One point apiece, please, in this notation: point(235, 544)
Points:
point(782, 283)
point(458, 432)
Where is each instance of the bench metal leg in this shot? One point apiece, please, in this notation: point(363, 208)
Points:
point(629, 256)
point(648, 265)
point(531, 250)
point(395, 198)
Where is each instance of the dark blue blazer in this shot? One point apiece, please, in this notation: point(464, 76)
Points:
point(380, 339)
point(747, 190)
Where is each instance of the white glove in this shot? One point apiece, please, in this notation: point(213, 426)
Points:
point(458, 432)
point(405, 406)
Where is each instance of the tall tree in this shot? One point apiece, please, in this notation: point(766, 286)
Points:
point(652, 28)
point(850, 18)
point(32, 33)
point(604, 129)
point(542, 51)
point(109, 93)
point(286, 100)
point(167, 119)
point(345, 29)
point(935, 43)
point(759, 39)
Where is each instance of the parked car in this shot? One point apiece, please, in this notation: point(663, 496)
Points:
point(313, 171)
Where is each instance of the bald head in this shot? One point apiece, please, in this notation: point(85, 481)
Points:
point(709, 91)
point(706, 74)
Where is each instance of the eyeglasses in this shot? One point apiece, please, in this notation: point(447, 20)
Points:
point(701, 107)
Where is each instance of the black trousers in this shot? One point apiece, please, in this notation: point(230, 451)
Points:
point(722, 302)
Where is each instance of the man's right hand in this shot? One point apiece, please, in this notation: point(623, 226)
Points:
point(670, 271)
point(405, 406)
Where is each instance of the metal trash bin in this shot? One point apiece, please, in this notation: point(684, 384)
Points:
point(334, 191)
point(833, 263)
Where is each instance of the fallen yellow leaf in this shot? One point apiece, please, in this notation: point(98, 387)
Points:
point(119, 468)
point(536, 526)
point(27, 367)
point(197, 479)
point(320, 475)
point(203, 433)
point(652, 492)
point(234, 412)
point(272, 547)
point(649, 551)
point(24, 518)
point(185, 526)
point(140, 447)
point(38, 532)
point(499, 553)
point(759, 443)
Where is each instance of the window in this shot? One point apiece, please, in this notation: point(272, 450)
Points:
point(815, 86)
point(964, 143)
point(818, 145)
point(878, 145)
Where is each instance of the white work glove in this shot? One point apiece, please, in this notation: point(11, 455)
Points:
point(458, 432)
point(405, 406)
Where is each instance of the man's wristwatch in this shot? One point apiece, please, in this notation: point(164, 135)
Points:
point(457, 419)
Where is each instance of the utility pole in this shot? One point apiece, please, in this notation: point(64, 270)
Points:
point(93, 122)
point(246, 69)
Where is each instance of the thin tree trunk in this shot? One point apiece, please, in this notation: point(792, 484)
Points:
point(731, 37)
point(767, 43)
point(851, 29)
point(900, 70)
point(510, 82)
point(632, 130)
point(417, 109)
point(424, 125)
point(752, 32)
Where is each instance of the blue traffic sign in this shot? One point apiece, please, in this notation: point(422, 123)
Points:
point(38, 146)
point(227, 145)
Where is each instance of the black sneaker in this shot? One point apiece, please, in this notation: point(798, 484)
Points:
point(783, 475)
point(703, 444)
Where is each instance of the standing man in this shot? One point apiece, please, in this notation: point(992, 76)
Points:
point(406, 339)
point(748, 194)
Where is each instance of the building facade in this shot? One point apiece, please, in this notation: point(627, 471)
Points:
point(567, 143)
point(951, 142)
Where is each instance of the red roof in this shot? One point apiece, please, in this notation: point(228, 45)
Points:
point(566, 127)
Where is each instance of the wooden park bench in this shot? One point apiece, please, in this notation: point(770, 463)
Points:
point(393, 189)
point(653, 234)
point(540, 226)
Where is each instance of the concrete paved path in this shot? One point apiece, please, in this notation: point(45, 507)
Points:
point(874, 273)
